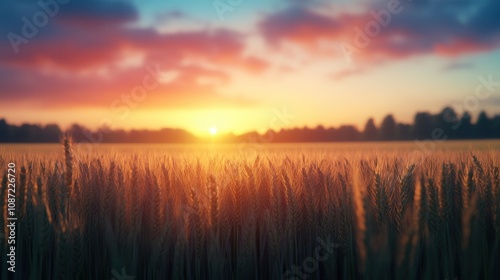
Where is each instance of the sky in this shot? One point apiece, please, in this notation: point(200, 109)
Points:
point(241, 65)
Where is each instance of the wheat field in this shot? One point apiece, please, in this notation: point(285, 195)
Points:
point(288, 215)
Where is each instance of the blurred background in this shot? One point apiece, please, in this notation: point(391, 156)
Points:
point(229, 66)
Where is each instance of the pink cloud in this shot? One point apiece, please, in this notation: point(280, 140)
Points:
point(416, 30)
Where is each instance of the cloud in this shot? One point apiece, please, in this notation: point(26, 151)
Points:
point(449, 30)
point(79, 49)
point(77, 59)
point(47, 90)
point(494, 101)
point(347, 73)
point(97, 13)
point(168, 17)
point(65, 14)
point(299, 25)
point(458, 66)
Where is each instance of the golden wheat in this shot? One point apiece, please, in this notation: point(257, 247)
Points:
point(258, 217)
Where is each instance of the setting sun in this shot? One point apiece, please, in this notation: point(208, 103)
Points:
point(268, 139)
point(213, 130)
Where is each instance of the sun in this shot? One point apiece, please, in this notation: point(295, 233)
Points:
point(213, 130)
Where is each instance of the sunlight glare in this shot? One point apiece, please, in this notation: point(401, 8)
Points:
point(213, 130)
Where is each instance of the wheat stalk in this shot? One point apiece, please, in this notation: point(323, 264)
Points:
point(68, 160)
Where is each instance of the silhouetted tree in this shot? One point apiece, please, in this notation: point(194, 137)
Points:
point(51, 133)
point(77, 131)
point(370, 133)
point(348, 133)
point(454, 127)
point(319, 134)
point(495, 127)
point(4, 131)
point(465, 128)
point(448, 121)
point(483, 126)
point(403, 132)
point(29, 133)
point(388, 128)
point(422, 126)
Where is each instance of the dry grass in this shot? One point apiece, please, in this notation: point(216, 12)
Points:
point(230, 216)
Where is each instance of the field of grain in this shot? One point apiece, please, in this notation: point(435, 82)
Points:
point(290, 214)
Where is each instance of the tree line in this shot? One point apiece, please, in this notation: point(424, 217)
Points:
point(446, 124)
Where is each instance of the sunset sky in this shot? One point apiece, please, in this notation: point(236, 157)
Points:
point(194, 65)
